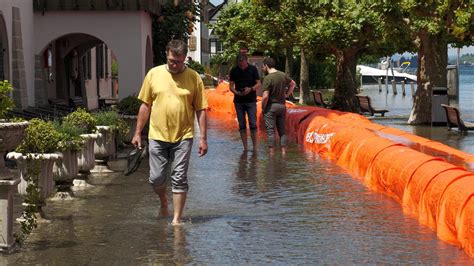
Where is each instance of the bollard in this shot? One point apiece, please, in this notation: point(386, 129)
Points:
point(403, 88)
point(412, 87)
point(394, 87)
point(380, 84)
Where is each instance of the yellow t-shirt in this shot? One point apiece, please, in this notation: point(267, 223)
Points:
point(174, 98)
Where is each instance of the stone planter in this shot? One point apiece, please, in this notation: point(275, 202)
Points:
point(11, 135)
point(64, 171)
point(131, 121)
point(43, 164)
point(86, 156)
point(104, 149)
point(85, 160)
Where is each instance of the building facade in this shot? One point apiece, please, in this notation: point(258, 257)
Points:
point(57, 50)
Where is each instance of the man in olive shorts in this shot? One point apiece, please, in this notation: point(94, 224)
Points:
point(276, 87)
point(172, 95)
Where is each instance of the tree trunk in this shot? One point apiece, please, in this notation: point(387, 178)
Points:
point(304, 79)
point(289, 60)
point(346, 85)
point(432, 62)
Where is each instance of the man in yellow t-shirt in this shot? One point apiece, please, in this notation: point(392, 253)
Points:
point(172, 94)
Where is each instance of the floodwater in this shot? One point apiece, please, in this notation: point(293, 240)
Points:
point(399, 107)
point(242, 209)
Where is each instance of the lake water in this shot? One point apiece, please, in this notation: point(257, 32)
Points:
point(400, 105)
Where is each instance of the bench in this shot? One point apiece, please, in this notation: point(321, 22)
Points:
point(366, 106)
point(318, 99)
point(453, 116)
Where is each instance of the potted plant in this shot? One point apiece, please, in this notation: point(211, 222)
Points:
point(109, 126)
point(12, 131)
point(35, 157)
point(67, 169)
point(128, 109)
point(85, 121)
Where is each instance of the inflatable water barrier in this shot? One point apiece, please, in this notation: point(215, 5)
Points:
point(432, 181)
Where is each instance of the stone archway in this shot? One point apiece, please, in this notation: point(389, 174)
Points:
point(79, 70)
point(125, 33)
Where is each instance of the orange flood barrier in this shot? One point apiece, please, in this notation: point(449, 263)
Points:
point(432, 181)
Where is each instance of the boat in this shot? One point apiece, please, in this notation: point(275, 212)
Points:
point(371, 75)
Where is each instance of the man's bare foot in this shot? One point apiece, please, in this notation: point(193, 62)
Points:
point(177, 223)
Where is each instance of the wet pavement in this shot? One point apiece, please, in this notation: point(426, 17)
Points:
point(243, 208)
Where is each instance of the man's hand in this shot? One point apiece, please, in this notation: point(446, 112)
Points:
point(137, 140)
point(202, 147)
point(246, 91)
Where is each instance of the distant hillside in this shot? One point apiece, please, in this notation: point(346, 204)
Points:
point(465, 59)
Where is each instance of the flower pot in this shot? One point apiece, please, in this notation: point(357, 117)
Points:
point(11, 135)
point(86, 156)
point(104, 149)
point(104, 146)
point(42, 164)
point(65, 170)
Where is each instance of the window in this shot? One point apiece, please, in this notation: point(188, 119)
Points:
point(106, 61)
point(86, 65)
point(215, 46)
point(99, 57)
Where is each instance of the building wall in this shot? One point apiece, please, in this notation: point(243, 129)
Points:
point(125, 33)
point(26, 41)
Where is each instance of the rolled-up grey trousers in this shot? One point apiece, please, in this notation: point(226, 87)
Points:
point(275, 115)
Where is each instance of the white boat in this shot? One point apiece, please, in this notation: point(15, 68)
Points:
point(372, 75)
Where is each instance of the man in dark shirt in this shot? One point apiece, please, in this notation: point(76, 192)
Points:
point(244, 82)
point(277, 86)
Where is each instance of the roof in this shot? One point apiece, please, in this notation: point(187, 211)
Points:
point(150, 6)
point(216, 9)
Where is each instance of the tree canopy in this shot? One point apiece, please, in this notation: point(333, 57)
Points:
point(350, 30)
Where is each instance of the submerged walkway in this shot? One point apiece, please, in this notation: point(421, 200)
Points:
point(242, 209)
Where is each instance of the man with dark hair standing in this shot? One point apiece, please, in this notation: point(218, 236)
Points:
point(277, 86)
point(244, 83)
point(172, 95)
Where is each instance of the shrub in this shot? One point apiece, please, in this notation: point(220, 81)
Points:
point(82, 120)
point(70, 136)
point(196, 66)
point(6, 102)
point(40, 137)
point(129, 105)
point(113, 120)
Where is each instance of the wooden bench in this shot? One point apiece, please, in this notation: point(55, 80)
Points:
point(318, 99)
point(366, 106)
point(453, 116)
